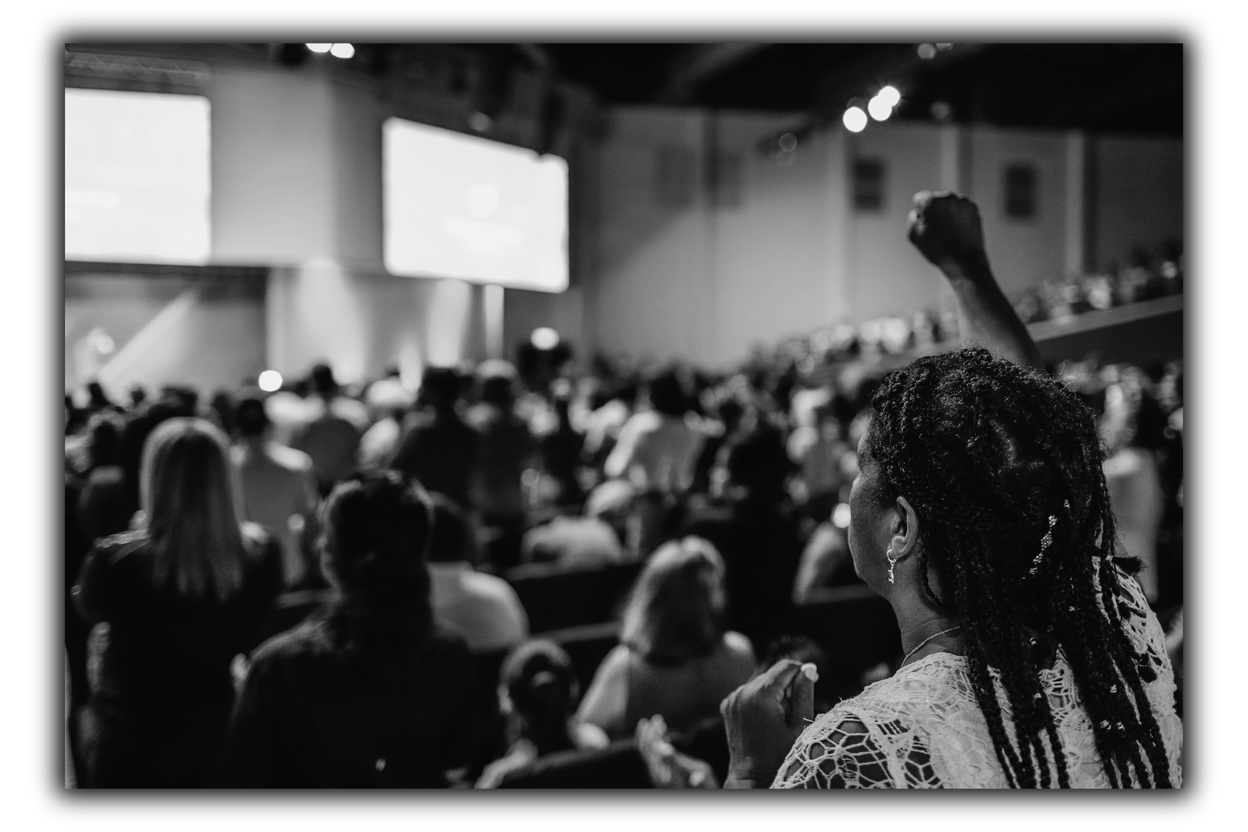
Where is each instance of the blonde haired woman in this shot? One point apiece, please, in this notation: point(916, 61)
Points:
point(677, 658)
point(182, 596)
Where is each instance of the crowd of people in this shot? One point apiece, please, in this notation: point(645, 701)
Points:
point(740, 495)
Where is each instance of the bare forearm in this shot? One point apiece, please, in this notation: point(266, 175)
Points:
point(985, 316)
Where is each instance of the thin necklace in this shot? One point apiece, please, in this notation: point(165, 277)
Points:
point(925, 641)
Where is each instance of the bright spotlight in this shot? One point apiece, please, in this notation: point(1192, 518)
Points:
point(855, 119)
point(342, 50)
point(890, 95)
point(840, 516)
point(318, 47)
point(879, 109)
point(544, 338)
point(270, 381)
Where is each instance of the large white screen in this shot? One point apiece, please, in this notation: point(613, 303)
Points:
point(137, 182)
point(465, 207)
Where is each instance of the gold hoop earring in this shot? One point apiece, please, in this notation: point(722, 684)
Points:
point(892, 561)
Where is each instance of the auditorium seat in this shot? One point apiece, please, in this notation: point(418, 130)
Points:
point(587, 646)
point(855, 627)
point(618, 766)
point(556, 597)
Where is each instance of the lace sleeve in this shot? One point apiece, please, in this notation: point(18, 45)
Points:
point(840, 752)
point(1143, 627)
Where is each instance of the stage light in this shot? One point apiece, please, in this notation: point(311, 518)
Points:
point(270, 381)
point(890, 95)
point(879, 109)
point(342, 50)
point(927, 51)
point(544, 338)
point(788, 142)
point(319, 48)
point(855, 119)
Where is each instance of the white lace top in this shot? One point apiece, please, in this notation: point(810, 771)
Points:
point(924, 728)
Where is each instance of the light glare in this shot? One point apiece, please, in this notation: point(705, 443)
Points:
point(879, 109)
point(318, 47)
point(270, 381)
point(840, 516)
point(342, 50)
point(855, 120)
point(890, 95)
point(544, 338)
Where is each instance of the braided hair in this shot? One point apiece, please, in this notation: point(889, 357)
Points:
point(1003, 466)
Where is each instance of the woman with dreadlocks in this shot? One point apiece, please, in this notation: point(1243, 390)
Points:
point(981, 514)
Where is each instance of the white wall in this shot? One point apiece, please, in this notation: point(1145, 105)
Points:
point(1023, 252)
point(885, 273)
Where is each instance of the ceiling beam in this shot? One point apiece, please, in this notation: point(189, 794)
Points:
point(695, 65)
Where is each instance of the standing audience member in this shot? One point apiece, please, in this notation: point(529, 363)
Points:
point(482, 609)
point(370, 694)
point(656, 452)
point(279, 487)
point(560, 452)
point(389, 400)
point(507, 449)
point(181, 597)
point(677, 659)
point(757, 530)
point(331, 434)
point(537, 695)
point(438, 447)
point(102, 507)
point(1133, 427)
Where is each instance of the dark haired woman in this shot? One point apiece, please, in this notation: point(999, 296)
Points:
point(676, 658)
point(370, 694)
point(538, 695)
point(982, 515)
point(181, 598)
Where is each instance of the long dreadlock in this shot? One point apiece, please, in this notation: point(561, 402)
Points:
point(1004, 468)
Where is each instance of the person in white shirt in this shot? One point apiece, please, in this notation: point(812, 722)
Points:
point(656, 452)
point(482, 609)
point(278, 487)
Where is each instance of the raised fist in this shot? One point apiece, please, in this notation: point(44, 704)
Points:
point(945, 228)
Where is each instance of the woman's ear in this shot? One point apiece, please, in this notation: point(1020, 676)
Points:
point(905, 528)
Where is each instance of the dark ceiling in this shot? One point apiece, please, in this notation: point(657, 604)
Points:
point(1105, 87)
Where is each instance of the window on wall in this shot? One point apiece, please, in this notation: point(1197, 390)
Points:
point(868, 185)
point(1020, 191)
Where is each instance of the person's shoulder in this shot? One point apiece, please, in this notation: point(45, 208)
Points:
point(116, 547)
point(487, 586)
point(307, 641)
point(738, 645)
point(614, 663)
point(292, 459)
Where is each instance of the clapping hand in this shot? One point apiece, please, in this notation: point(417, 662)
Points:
point(764, 717)
point(945, 227)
